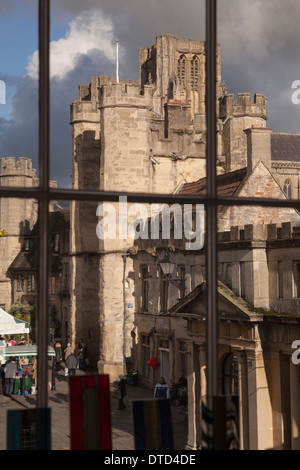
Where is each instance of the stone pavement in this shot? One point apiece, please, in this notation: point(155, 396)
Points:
point(122, 423)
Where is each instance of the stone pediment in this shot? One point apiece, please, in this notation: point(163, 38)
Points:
point(230, 306)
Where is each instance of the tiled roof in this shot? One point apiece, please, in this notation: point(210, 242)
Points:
point(285, 147)
point(227, 184)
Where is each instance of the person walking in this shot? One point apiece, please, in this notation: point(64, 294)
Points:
point(67, 351)
point(58, 355)
point(72, 364)
point(10, 371)
point(122, 388)
point(83, 357)
point(34, 372)
point(161, 389)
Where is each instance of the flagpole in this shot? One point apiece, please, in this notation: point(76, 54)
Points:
point(117, 61)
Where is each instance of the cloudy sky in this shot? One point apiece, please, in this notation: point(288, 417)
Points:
point(260, 45)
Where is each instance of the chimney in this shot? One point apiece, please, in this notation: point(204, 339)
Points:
point(258, 146)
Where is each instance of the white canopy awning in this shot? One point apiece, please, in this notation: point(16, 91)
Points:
point(23, 351)
point(9, 325)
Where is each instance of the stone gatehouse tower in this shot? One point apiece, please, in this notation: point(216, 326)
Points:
point(138, 136)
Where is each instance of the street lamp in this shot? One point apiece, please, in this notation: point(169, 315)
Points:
point(167, 267)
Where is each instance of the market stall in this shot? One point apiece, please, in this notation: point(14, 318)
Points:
point(24, 355)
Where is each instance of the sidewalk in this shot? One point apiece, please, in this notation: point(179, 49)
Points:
point(122, 422)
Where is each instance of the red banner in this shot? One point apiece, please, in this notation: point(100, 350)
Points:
point(90, 412)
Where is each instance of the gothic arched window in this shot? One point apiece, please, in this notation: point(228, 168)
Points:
point(194, 72)
point(181, 69)
point(287, 188)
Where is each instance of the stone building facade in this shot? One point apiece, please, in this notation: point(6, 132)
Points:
point(23, 274)
point(17, 217)
point(18, 246)
point(149, 136)
point(258, 305)
point(146, 136)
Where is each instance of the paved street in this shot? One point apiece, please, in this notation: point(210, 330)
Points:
point(122, 425)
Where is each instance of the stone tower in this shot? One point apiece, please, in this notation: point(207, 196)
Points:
point(17, 217)
point(144, 136)
point(235, 117)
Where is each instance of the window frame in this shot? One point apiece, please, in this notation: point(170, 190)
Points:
point(287, 188)
point(44, 194)
point(20, 282)
point(144, 287)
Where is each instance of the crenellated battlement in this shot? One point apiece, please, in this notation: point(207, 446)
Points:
point(21, 167)
point(105, 92)
point(261, 232)
point(244, 106)
point(125, 94)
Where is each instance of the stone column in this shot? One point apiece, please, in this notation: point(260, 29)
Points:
point(272, 365)
point(260, 409)
point(295, 406)
point(194, 391)
point(243, 400)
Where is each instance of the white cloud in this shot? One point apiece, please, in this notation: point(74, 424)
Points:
point(88, 31)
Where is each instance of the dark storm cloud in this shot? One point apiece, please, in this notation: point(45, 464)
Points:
point(19, 136)
point(260, 43)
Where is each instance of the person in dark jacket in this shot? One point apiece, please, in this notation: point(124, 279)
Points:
point(72, 364)
point(2, 376)
point(83, 356)
point(10, 371)
point(161, 389)
point(122, 388)
point(58, 355)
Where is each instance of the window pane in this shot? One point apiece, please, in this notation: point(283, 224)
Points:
point(258, 116)
point(258, 305)
point(19, 92)
point(137, 114)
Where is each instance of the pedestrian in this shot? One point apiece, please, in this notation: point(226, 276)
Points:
point(2, 373)
point(10, 371)
point(34, 372)
point(12, 341)
point(67, 351)
point(22, 341)
point(122, 389)
point(51, 373)
point(161, 389)
point(58, 355)
point(80, 344)
point(83, 357)
point(72, 364)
